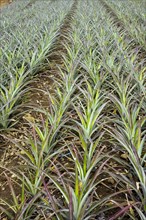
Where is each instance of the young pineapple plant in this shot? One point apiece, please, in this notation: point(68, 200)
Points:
point(25, 57)
point(83, 155)
point(129, 129)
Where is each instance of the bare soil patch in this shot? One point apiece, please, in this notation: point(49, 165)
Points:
point(5, 2)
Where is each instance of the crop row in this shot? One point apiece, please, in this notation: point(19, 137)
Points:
point(86, 154)
point(135, 27)
point(23, 50)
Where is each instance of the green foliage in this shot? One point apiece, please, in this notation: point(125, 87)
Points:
point(85, 155)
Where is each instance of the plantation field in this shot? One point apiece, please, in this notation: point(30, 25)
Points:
point(73, 110)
